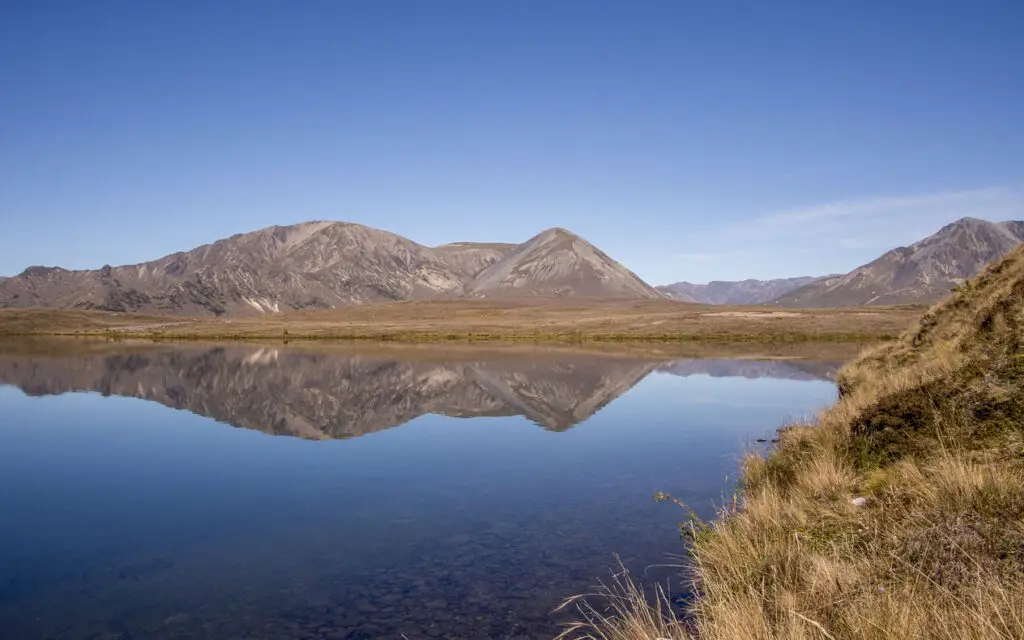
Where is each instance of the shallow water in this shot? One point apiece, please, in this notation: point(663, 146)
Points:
point(272, 492)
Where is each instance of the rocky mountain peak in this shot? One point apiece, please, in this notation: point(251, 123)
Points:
point(39, 271)
point(559, 262)
point(556, 232)
point(974, 226)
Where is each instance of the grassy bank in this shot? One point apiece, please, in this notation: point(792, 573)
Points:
point(542, 321)
point(898, 514)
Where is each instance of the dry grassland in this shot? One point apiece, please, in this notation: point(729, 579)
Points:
point(541, 321)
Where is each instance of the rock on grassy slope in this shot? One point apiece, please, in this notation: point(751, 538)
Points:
point(898, 514)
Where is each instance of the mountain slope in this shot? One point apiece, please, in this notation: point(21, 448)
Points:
point(734, 292)
point(314, 264)
point(923, 272)
point(557, 262)
point(319, 265)
point(470, 258)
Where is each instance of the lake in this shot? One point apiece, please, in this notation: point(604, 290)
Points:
point(161, 491)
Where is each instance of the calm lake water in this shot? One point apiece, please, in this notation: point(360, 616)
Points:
point(245, 492)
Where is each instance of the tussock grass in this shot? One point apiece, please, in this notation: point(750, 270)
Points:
point(929, 431)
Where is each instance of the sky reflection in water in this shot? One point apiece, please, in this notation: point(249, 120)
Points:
point(420, 495)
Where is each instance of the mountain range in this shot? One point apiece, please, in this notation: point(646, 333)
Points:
point(923, 272)
point(325, 265)
point(734, 292)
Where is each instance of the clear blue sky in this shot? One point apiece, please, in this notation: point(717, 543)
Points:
point(690, 140)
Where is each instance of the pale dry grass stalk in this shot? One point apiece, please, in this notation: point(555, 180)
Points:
point(624, 612)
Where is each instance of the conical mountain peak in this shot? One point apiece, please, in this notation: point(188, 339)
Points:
point(557, 262)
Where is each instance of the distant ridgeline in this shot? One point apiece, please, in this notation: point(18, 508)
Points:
point(925, 271)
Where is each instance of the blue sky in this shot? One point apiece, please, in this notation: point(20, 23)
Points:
point(690, 140)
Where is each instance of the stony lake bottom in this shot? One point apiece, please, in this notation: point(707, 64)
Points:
point(161, 491)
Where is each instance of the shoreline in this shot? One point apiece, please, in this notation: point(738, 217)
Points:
point(467, 338)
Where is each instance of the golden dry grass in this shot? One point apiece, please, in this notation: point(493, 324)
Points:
point(21, 322)
point(541, 320)
point(62, 346)
point(929, 432)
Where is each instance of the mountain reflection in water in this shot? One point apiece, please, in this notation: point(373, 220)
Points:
point(127, 520)
point(326, 395)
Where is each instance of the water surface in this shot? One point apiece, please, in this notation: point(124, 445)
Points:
point(218, 492)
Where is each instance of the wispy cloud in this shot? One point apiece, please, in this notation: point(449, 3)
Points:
point(973, 201)
point(837, 236)
point(865, 243)
point(872, 222)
